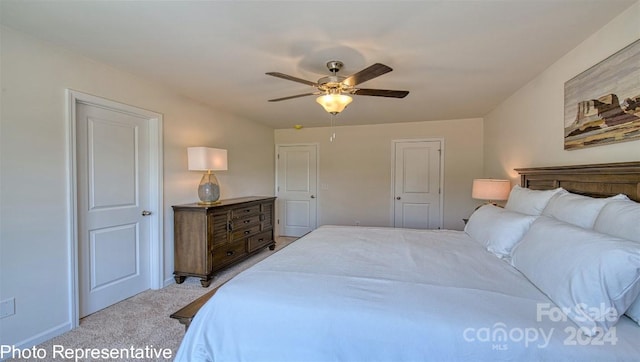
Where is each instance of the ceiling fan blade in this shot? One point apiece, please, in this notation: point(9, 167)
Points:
point(366, 74)
point(292, 97)
point(381, 93)
point(292, 78)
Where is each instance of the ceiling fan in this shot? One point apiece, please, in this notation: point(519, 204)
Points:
point(334, 90)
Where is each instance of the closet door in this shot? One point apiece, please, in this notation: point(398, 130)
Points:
point(296, 188)
point(417, 189)
point(113, 196)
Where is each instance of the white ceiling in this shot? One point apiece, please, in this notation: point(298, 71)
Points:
point(459, 59)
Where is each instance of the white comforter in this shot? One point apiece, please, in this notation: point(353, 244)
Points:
point(383, 294)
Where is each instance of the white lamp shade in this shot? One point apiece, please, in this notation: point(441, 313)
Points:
point(207, 159)
point(490, 189)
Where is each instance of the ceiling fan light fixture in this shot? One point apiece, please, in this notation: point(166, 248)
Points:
point(334, 103)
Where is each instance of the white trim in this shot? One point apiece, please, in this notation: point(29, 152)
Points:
point(156, 245)
point(72, 206)
point(44, 336)
point(168, 281)
point(276, 193)
point(393, 177)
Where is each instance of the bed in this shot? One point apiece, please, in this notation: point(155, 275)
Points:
point(492, 292)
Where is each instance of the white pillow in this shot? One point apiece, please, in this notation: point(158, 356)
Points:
point(576, 209)
point(621, 218)
point(594, 276)
point(499, 230)
point(530, 202)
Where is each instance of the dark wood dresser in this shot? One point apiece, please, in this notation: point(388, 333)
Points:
point(208, 238)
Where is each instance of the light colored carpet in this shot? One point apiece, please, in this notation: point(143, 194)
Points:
point(142, 321)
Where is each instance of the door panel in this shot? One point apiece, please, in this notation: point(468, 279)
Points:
point(111, 180)
point(414, 215)
point(415, 166)
point(417, 184)
point(114, 255)
point(297, 213)
point(297, 164)
point(297, 188)
point(113, 236)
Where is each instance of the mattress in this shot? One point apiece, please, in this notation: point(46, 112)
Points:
point(386, 294)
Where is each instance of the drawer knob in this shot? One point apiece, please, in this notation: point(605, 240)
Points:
point(230, 252)
point(247, 232)
point(247, 221)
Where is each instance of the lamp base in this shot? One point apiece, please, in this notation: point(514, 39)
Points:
point(209, 203)
point(488, 203)
point(208, 190)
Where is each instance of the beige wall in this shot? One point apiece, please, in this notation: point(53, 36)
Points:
point(357, 168)
point(526, 130)
point(34, 170)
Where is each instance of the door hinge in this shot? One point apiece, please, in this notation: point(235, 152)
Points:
point(278, 221)
point(278, 156)
point(439, 190)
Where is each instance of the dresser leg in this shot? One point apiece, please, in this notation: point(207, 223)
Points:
point(179, 278)
point(272, 247)
point(205, 282)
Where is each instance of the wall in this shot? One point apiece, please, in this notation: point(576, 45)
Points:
point(34, 170)
point(357, 168)
point(527, 129)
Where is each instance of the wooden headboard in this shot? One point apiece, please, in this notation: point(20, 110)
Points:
point(597, 180)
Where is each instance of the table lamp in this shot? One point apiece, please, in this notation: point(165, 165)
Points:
point(490, 190)
point(208, 160)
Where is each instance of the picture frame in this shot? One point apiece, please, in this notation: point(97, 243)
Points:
point(602, 104)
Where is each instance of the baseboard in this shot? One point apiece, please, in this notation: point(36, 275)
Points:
point(168, 282)
point(42, 337)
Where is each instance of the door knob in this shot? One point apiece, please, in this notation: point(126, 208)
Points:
point(398, 198)
point(146, 213)
point(313, 197)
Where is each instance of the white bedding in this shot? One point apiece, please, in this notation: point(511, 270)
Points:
point(384, 294)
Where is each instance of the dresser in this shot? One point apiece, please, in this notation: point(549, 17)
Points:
point(208, 238)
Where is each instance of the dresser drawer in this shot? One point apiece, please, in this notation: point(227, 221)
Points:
point(243, 223)
point(244, 232)
point(245, 211)
point(259, 240)
point(225, 254)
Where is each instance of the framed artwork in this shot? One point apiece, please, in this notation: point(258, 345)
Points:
point(602, 104)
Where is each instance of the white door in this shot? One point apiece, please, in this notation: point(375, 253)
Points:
point(113, 232)
point(296, 188)
point(417, 198)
